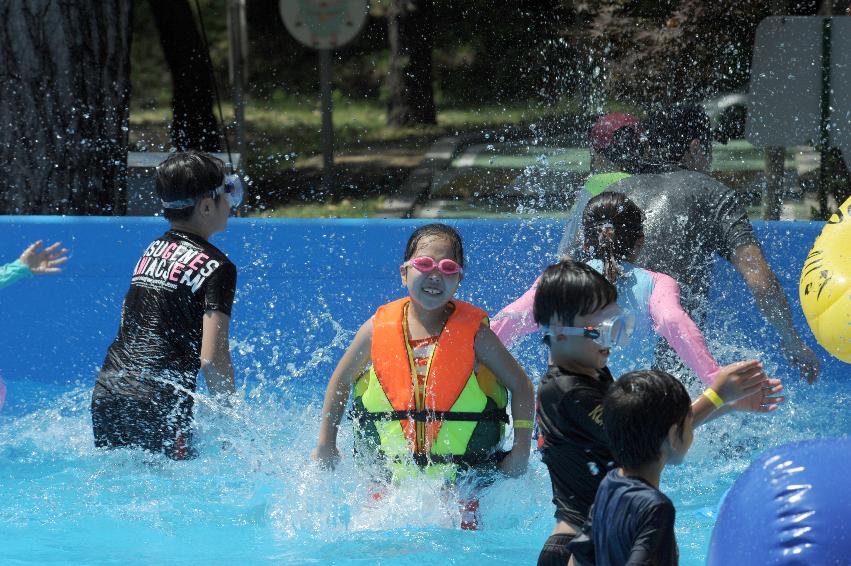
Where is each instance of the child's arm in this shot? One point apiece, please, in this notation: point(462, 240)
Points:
point(491, 352)
point(516, 320)
point(733, 382)
point(215, 353)
point(676, 326)
point(337, 394)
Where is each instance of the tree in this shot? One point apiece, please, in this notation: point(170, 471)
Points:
point(410, 30)
point(193, 125)
point(64, 90)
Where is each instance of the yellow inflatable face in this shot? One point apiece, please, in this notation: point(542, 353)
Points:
point(825, 286)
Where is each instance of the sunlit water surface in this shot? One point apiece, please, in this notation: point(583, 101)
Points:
point(254, 496)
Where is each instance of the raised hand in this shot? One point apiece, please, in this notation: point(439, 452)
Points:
point(764, 400)
point(44, 261)
point(738, 380)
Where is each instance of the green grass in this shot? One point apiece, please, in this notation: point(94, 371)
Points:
point(289, 125)
point(346, 208)
point(283, 144)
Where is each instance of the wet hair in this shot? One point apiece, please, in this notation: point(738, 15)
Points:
point(611, 225)
point(569, 289)
point(626, 150)
point(639, 410)
point(185, 175)
point(672, 129)
point(436, 230)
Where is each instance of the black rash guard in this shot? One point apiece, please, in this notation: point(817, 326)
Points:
point(575, 448)
point(154, 360)
point(631, 523)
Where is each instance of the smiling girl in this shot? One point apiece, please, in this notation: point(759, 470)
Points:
point(431, 380)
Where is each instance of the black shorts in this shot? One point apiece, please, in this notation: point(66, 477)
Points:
point(555, 551)
point(128, 421)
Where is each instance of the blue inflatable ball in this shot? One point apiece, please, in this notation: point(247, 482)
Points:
point(792, 506)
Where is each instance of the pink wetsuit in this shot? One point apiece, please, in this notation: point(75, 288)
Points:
point(669, 321)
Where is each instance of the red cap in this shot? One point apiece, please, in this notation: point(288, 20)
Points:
point(606, 126)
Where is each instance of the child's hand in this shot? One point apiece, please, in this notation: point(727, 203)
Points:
point(515, 462)
point(764, 400)
point(738, 380)
point(326, 454)
point(44, 261)
point(799, 355)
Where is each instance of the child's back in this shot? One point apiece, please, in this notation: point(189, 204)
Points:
point(157, 353)
point(175, 314)
point(633, 523)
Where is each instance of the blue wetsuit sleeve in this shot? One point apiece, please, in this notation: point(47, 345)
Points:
point(11, 272)
point(655, 544)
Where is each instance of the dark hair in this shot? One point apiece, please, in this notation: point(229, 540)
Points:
point(639, 410)
point(612, 225)
point(672, 129)
point(626, 150)
point(188, 175)
point(436, 230)
point(570, 288)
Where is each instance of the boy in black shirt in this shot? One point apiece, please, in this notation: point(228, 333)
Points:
point(647, 416)
point(581, 321)
point(175, 317)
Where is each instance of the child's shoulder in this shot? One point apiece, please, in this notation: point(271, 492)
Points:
point(567, 385)
point(635, 493)
point(570, 381)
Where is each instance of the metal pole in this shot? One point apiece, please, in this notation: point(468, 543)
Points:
point(824, 134)
point(775, 158)
point(327, 122)
point(236, 23)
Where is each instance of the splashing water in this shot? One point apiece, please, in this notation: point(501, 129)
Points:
point(253, 495)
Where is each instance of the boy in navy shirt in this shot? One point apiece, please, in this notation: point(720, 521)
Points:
point(648, 419)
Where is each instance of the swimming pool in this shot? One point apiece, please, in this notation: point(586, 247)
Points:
point(304, 288)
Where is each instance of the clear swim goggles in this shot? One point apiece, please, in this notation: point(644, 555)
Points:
point(231, 187)
point(612, 332)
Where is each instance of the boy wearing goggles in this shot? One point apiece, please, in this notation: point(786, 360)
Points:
point(582, 323)
point(175, 318)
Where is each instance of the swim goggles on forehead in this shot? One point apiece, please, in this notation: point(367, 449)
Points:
point(614, 331)
point(425, 264)
point(231, 187)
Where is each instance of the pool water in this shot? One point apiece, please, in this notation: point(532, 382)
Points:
point(253, 495)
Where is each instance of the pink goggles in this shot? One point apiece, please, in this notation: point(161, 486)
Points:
point(425, 264)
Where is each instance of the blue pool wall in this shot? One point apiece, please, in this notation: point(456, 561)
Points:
point(304, 287)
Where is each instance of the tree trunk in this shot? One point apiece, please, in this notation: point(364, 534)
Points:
point(64, 91)
point(410, 29)
point(193, 125)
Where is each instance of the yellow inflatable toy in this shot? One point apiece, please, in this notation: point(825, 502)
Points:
point(825, 286)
